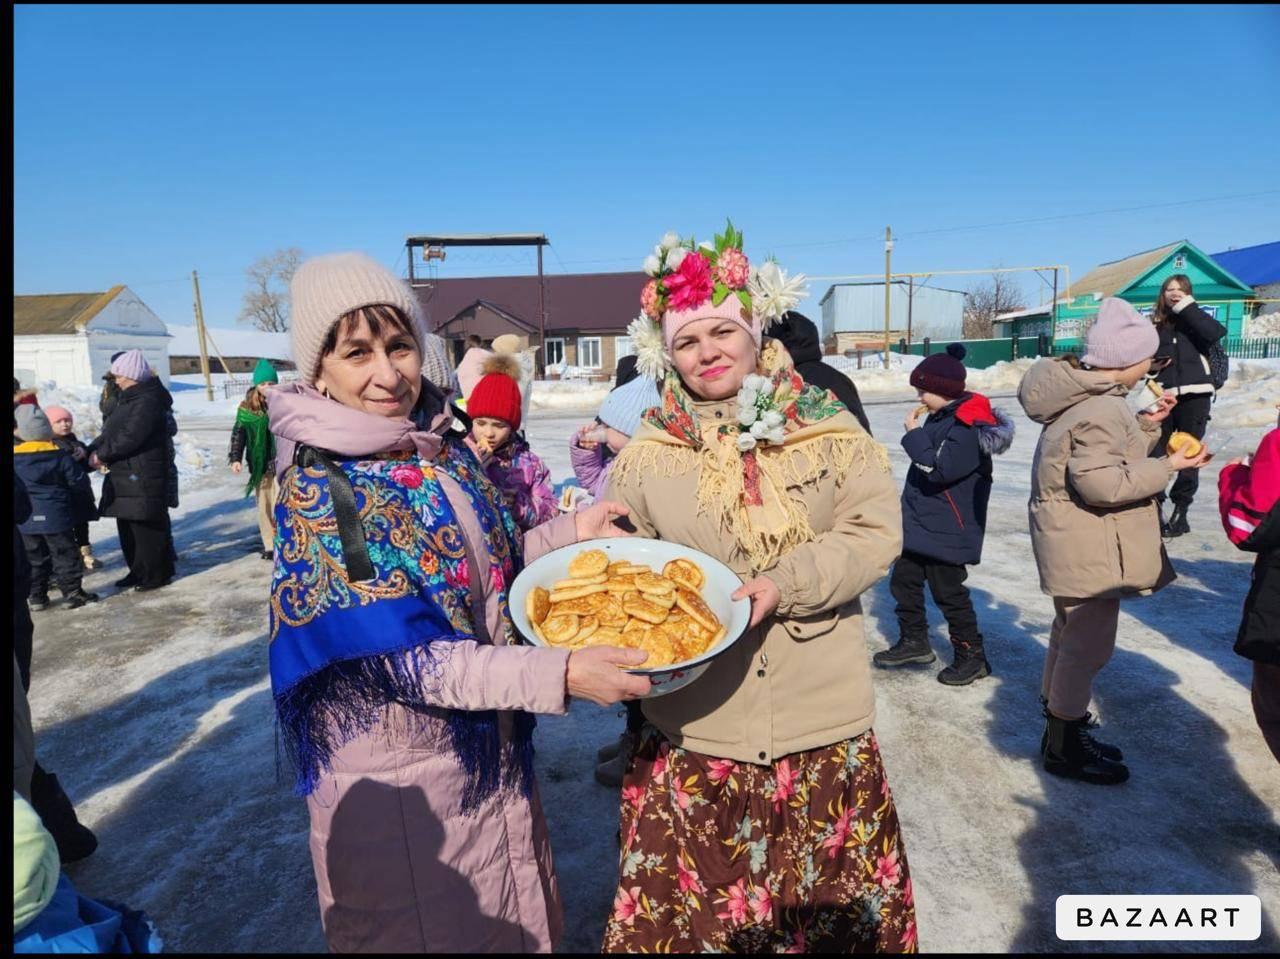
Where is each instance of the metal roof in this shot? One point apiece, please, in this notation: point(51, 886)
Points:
point(1107, 279)
point(574, 301)
point(1254, 265)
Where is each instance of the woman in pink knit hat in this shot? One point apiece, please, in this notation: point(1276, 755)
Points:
point(755, 812)
point(404, 702)
point(1095, 528)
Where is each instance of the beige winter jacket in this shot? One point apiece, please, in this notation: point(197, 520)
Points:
point(801, 680)
point(1095, 528)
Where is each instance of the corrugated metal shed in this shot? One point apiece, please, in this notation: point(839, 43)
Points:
point(859, 307)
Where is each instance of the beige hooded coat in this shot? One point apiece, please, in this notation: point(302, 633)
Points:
point(801, 680)
point(1095, 528)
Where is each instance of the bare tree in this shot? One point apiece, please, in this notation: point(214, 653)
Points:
point(988, 300)
point(266, 302)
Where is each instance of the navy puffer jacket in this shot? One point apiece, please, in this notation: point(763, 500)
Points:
point(944, 501)
point(51, 478)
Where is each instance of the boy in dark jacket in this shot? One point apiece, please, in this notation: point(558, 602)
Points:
point(798, 334)
point(51, 479)
point(86, 508)
point(944, 514)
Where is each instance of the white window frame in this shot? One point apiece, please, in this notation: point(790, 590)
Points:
point(599, 352)
point(546, 359)
point(622, 346)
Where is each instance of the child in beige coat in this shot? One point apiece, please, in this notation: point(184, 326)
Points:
point(1095, 528)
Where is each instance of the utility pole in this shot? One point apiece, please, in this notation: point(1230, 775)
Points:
point(888, 250)
point(204, 353)
point(542, 319)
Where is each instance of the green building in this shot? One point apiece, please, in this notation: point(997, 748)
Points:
point(1137, 279)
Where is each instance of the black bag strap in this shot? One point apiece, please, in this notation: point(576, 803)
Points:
point(350, 530)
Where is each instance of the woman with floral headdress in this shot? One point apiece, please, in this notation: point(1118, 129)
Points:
point(756, 815)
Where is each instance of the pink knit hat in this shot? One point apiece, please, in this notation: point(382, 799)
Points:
point(326, 288)
point(56, 413)
point(132, 365)
point(730, 309)
point(1119, 337)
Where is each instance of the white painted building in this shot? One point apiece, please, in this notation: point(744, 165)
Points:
point(69, 338)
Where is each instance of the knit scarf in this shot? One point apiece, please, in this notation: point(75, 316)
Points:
point(259, 447)
point(341, 652)
point(754, 493)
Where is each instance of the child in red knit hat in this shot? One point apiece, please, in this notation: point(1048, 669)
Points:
point(494, 408)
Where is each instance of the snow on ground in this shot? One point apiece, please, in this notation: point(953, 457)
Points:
point(155, 712)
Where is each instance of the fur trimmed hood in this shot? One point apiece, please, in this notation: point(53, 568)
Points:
point(996, 438)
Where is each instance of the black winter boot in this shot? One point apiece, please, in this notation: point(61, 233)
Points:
point(74, 840)
point(38, 603)
point(906, 650)
point(1178, 524)
point(78, 597)
point(1106, 749)
point(1071, 753)
point(970, 663)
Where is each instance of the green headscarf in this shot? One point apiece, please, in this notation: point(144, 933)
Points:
point(259, 447)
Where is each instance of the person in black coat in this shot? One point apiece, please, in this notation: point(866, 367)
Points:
point(1186, 334)
point(52, 480)
point(944, 514)
point(800, 336)
point(136, 447)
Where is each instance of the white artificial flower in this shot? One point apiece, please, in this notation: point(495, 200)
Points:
point(704, 245)
point(756, 383)
point(669, 240)
point(747, 396)
point(758, 429)
point(775, 435)
point(675, 257)
point(746, 442)
point(772, 418)
point(652, 265)
point(773, 293)
point(747, 415)
point(651, 351)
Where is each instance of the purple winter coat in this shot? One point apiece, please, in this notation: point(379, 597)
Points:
point(398, 867)
point(591, 468)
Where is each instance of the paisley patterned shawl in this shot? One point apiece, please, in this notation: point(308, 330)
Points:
point(342, 651)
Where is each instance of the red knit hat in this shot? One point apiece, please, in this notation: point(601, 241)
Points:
point(497, 395)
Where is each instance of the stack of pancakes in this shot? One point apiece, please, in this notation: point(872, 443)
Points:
point(626, 604)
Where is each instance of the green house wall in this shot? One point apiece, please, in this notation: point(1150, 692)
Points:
point(1215, 290)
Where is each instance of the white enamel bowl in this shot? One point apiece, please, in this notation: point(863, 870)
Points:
point(720, 585)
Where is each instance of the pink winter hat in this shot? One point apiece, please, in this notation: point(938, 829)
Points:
point(1119, 337)
point(133, 365)
point(730, 309)
point(56, 413)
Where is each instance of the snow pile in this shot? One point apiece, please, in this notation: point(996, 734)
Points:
point(191, 458)
point(1247, 403)
point(568, 395)
point(1267, 324)
point(80, 401)
point(1002, 377)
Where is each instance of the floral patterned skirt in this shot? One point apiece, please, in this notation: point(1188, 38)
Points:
point(801, 856)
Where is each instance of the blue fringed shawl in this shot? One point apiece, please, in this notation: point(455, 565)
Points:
point(341, 652)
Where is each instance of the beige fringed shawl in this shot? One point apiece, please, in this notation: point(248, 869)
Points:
point(752, 492)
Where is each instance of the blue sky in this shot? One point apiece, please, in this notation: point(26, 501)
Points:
point(149, 141)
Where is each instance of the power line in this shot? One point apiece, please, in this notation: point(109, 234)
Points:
point(986, 226)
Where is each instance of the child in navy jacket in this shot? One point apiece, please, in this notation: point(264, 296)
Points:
point(944, 514)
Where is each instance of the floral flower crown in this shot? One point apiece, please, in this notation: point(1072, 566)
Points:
point(686, 274)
